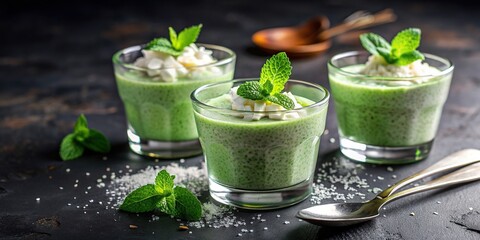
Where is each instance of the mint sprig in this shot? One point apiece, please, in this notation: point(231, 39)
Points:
point(177, 42)
point(73, 145)
point(164, 196)
point(401, 51)
point(275, 73)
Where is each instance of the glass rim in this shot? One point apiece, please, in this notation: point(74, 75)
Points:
point(322, 102)
point(338, 56)
point(230, 58)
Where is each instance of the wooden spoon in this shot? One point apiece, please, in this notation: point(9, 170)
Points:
point(313, 37)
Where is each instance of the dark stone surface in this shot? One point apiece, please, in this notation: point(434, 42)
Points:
point(55, 63)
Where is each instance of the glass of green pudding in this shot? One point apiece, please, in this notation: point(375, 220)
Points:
point(258, 154)
point(388, 113)
point(155, 88)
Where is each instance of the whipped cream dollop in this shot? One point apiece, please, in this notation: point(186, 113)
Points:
point(256, 106)
point(376, 66)
point(163, 67)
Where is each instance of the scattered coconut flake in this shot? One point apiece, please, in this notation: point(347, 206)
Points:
point(339, 180)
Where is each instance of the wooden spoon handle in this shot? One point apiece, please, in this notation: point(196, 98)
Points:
point(363, 21)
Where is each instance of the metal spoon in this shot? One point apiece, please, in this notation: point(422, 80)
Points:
point(344, 214)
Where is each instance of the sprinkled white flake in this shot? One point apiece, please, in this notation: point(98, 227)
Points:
point(390, 169)
point(286, 222)
point(412, 214)
point(377, 190)
point(87, 174)
point(67, 170)
point(435, 213)
point(339, 180)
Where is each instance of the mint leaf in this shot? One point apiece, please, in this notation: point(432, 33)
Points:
point(282, 100)
point(177, 43)
point(275, 73)
point(409, 57)
point(385, 53)
point(267, 88)
point(81, 128)
point(142, 199)
point(81, 124)
point(402, 50)
point(173, 37)
point(74, 144)
point(69, 148)
point(96, 141)
point(167, 205)
point(406, 41)
point(187, 205)
point(371, 42)
point(162, 45)
point(164, 183)
point(277, 69)
point(250, 90)
point(176, 201)
point(187, 36)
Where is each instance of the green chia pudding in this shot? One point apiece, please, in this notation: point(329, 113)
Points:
point(263, 154)
point(388, 113)
point(391, 99)
point(155, 81)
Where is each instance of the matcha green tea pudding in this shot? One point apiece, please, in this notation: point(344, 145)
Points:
point(389, 103)
point(260, 137)
point(155, 82)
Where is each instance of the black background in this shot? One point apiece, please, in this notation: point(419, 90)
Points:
point(55, 63)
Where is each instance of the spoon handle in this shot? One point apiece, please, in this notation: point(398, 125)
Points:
point(466, 174)
point(453, 161)
point(359, 22)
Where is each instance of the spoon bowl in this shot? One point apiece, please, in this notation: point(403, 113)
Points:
point(338, 214)
point(295, 41)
